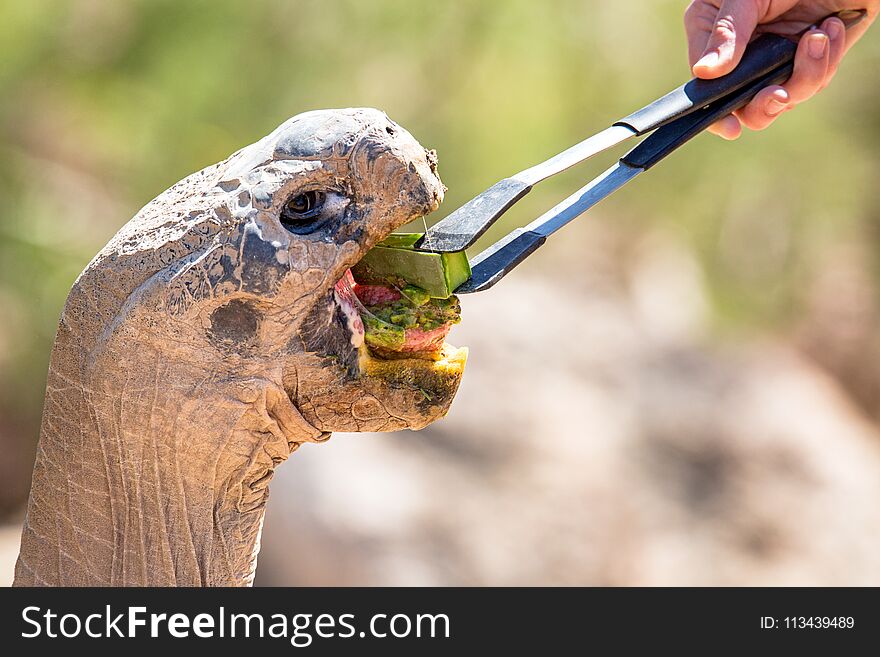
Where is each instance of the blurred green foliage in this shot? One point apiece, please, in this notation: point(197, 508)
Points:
point(106, 103)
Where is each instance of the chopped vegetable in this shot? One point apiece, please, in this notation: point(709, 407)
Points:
point(395, 262)
point(407, 298)
point(411, 322)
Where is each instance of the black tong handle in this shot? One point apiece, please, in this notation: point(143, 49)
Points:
point(763, 55)
point(672, 135)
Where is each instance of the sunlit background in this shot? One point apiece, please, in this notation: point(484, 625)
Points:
point(681, 388)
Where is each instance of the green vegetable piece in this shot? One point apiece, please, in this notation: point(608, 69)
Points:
point(457, 270)
point(394, 260)
point(401, 240)
point(382, 334)
point(415, 295)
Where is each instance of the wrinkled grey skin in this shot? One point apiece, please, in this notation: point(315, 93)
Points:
point(204, 343)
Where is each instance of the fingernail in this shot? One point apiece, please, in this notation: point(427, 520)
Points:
point(774, 106)
point(834, 29)
point(709, 60)
point(817, 45)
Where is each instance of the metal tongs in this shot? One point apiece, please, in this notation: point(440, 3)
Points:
point(675, 119)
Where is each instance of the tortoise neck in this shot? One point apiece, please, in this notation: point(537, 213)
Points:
point(149, 484)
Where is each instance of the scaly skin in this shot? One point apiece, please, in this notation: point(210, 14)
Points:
point(204, 344)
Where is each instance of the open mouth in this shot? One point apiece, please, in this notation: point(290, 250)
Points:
point(394, 322)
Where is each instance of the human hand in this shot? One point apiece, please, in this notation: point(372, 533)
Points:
point(718, 32)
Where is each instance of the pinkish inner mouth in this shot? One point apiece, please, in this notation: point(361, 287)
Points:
point(346, 299)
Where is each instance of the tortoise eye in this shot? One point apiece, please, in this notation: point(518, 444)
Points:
point(301, 213)
point(305, 204)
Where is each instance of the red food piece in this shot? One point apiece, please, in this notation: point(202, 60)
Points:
point(418, 340)
point(374, 295)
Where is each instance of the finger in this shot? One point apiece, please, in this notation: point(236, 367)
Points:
point(810, 69)
point(727, 128)
point(731, 30)
point(810, 66)
point(836, 32)
point(699, 19)
point(763, 109)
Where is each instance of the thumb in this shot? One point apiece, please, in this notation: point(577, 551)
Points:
point(731, 31)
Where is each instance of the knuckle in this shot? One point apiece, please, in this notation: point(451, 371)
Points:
point(724, 28)
point(751, 121)
point(806, 79)
point(757, 125)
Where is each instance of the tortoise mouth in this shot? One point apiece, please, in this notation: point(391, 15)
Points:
point(433, 374)
point(384, 339)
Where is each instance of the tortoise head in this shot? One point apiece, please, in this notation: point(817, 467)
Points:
point(249, 253)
